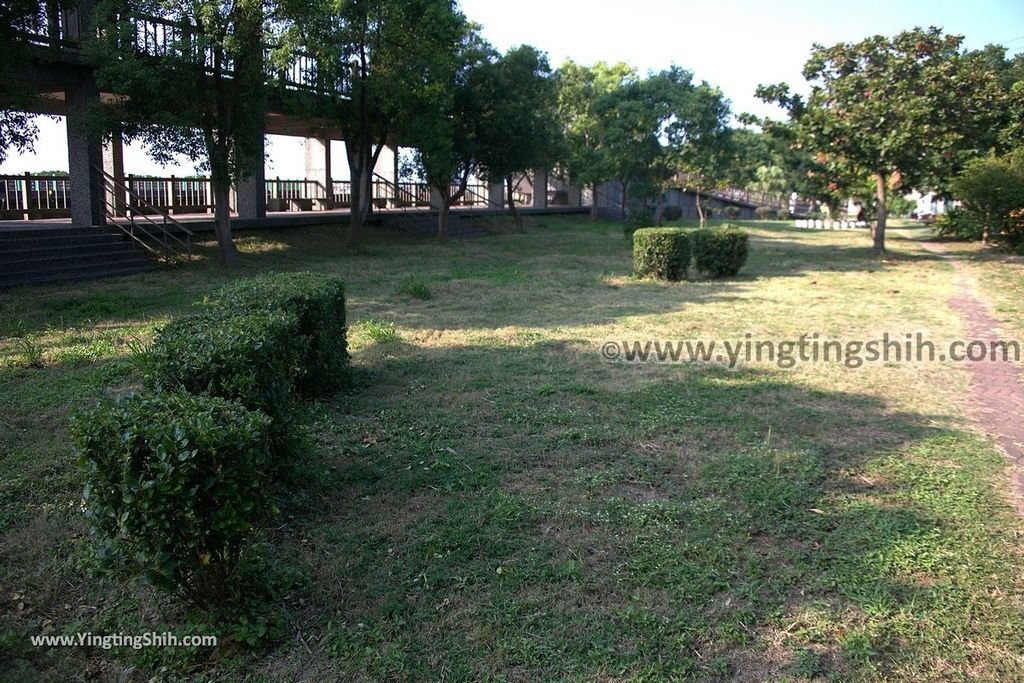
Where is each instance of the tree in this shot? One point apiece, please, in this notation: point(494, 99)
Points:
point(580, 90)
point(909, 111)
point(701, 144)
point(991, 190)
point(200, 93)
point(385, 59)
point(518, 127)
point(445, 130)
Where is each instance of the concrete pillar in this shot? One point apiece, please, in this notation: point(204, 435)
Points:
point(540, 188)
point(387, 168)
point(113, 165)
point(496, 195)
point(85, 156)
point(252, 189)
point(318, 168)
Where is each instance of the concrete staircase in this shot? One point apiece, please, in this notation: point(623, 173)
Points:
point(44, 254)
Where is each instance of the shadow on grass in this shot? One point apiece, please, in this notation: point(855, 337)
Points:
point(518, 511)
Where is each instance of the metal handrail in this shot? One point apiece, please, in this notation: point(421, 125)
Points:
point(140, 208)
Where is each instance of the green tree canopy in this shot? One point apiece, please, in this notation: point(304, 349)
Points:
point(382, 62)
point(445, 130)
point(908, 111)
point(580, 90)
point(518, 128)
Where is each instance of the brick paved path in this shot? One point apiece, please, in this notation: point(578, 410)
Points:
point(997, 386)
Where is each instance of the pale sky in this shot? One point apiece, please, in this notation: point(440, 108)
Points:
point(734, 44)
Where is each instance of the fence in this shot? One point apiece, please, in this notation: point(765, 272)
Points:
point(28, 196)
point(41, 196)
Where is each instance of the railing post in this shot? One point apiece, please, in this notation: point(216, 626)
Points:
point(25, 184)
point(170, 195)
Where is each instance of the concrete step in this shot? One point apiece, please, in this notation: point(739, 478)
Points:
point(95, 272)
point(58, 254)
point(47, 262)
point(62, 249)
point(11, 244)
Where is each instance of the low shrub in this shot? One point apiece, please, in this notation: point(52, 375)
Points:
point(957, 224)
point(639, 217)
point(732, 212)
point(766, 213)
point(175, 484)
point(719, 252)
point(672, 213)
point(255, 359)
point(318, 303)
point(663, 253)
point(784, 214)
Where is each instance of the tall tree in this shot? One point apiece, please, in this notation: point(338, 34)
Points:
point(518, 127)
point(907, 110)
point(385, 59)
point(580, 90)
point(699, 142)
point(446, 128)
point(198, 91)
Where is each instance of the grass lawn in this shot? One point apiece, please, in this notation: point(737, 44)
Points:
point(496, 502)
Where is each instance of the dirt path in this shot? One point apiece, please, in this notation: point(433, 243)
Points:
point(997, 386)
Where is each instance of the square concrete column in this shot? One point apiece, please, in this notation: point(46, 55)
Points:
point(113, 165)
point(85, 156)
point(496, 195)
point(318, 168)
point(387, 168)
point(540, 189)
point(252, 189)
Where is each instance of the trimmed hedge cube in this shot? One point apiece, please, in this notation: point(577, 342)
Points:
point(719, 252)
point(318, 303)
point(175, 485)
point(663, 253)
point(255, 359)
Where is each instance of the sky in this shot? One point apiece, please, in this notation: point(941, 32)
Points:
point(734, 44)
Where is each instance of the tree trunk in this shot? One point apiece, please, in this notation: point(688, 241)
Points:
point(222, 223)
point(878, 234)
point(624, 216)
point(516, 216)
point(659, 213)
point(594, 212)
point(700, 209)
point(442, 220)
point(361, 161)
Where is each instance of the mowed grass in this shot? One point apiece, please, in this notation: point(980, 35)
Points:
point(494, 501)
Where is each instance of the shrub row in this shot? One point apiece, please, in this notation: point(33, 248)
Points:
point(719, 252)
point(175, 484)
point(665, 253)
point(178, 476)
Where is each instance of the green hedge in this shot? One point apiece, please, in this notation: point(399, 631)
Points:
point(318, 303)
point(175, 484)
point(255, 359)
point(719, 252)
point(663, 253)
